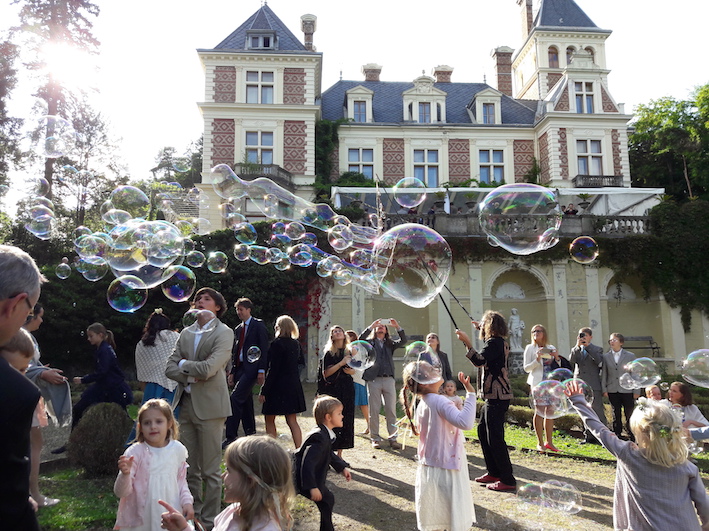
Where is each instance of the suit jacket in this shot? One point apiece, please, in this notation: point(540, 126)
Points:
point(611, 372)
point(210, 394)
point(588, 368)
point(256, 335)
point(313, 459)
point(18, 399)
point(390, 345)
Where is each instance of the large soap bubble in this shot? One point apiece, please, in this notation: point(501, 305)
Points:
point(585, 388)
point(583, 250)
point(548, 399)
point(521, 218)
point(127, 294)
point(424, 363)
point(413, 262)
point(626, 382)
point(410, 192)
point(362, 355)
point(179, 283)
point(132, 200)
point(695, 369)
point(560, 374)
point(643, 371)
point(198, 321)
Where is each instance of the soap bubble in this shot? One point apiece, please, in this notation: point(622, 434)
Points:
point(343, 276)
point(253, 354)
point(560, 374)
point(198, 321)
point(37, 186)
point(242, 252)
point(423, 373)
point(309, 238)
point(41, 227)
point(695, 369)
point(179, 283)
point(362, 355)
point(63, 271)
point(410, 192)
point(90, 245)
point(583, 250)
point(300, 255)
point(278, 227)
point(127, 294)
point(181, 165)
point(295, 230)
point(94, 268)
point(283, 264)
point(281, 241)
point(245, 233)
point(195, 259)
point(361, 258)
point(561, 496)
point(530, 493)
point(149, 274)
point(185, 227)
point(626, 381)
point(275, 255)
point(428, 367)
point(132, 200)
point(259, 254)
point(340, 237)
point(522, 218)
point(226, 184)
point(217, 262)
point(665, 386)
point(643, 371)
point(57, 137)
point(202, 226)
point(548, 399)
point(587, 390)
point(415, 263)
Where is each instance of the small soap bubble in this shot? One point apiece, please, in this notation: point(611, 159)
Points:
point(127, 294)
point(198, 321)
point(259, 254)
point(295, 230)
point(132, 200)
point(63, 271)
point(626, 381)
point(37, 186)
point(179, 283)
point(340, 237)
point(226, 184)
point(245, 233)
point(410, 192)
point(253, 354)
point(587, 390)
point(643, 371)
point(181, 165)
point(242, 252)
point(560, 374)
point(195, 259)
point(695, 369)
point(202, 226)
point(217, 262)
point(664, 386)
point(548, 399)
point(362, 355)
point(583, 250)
point(94, 268)
point(278, 227)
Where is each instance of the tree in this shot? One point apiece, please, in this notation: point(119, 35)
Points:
point(10, 154)
point(669, 145)
point(185, 169)
point(55, 23)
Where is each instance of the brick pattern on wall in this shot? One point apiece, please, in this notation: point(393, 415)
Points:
point(563, 154)
point(544, 157)
point(335, 161)
point(225, 84)
point(523, 158)
point(563, 103)
point(606, 102)
point(393, 153)
point(458, 160)
point(552, 79)
point(294, 140)
point(294, 86)
point(615, 143)
point(223, 138)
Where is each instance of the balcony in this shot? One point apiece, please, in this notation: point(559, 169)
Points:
point(249, 172)
point(597, 181)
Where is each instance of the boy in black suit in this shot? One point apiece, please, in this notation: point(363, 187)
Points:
point(315, 456)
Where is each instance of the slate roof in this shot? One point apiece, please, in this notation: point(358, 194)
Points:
point(263, 19)
point(388, 102)
point(562, 14)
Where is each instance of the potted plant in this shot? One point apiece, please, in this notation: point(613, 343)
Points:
point(584, 200)
point(440, 200)
point(471, 200)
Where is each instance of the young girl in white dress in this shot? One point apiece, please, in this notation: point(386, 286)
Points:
point(154, 468)
point(443, 496)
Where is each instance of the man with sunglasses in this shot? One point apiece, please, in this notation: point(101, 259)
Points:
point(20, 284)
point(587, 361)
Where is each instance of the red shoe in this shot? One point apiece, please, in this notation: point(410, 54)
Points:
point(551, 447)
point(501, 487)
point(487, 478)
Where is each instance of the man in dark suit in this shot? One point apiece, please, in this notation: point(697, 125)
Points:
point(245, 370)
point(614, 362)
point(20, 284)
point(587, 361)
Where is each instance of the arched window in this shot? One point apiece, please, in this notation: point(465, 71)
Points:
point(590, 50)
point(553, 57)
point(570, 51)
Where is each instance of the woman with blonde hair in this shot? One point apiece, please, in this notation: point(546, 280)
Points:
point(282, 392)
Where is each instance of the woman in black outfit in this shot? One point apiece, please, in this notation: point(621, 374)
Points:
point(497, 394)
point(335, 379)
point(282, 392)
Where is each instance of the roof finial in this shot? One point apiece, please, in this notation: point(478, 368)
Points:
point(340, 75)
point(484, 79)
point(423, 72)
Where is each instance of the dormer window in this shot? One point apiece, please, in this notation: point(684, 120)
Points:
point(488, 113)
point(424, 104)
point(261, 41)
point(486, 108)
point(424, 113)
point(584, 97)
point(359, 105)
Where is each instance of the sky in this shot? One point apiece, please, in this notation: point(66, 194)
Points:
point(150, 78)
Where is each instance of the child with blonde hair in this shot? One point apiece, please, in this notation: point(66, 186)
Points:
point(152, 469)
point(449, 390)
point(258, 484)
point(443, 497)
point(656, 486)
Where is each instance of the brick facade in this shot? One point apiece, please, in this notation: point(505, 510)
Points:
point(294, 142)
point(615, 143)
point(458, 160)
point(552, 79)
point(563, 154)
point(223, 138)
point(523, 158)
point(394, 167)
point(225, 84)
point(544, 157)
point(294, 86)
point(606, 101)
point(563, 103)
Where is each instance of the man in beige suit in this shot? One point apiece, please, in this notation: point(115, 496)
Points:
point(198, 366)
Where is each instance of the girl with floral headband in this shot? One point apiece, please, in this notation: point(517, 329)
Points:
point(656, 486)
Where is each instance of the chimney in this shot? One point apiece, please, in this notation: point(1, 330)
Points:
point(503, 69)
point(371, 71)
point(443, 73)
point(527, 19)
point(308, 24)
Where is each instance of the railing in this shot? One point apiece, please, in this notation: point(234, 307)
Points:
point(619, 226)
point(274, 172)
point(597, 181)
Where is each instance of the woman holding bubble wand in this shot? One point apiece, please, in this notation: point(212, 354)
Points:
point(282, 392)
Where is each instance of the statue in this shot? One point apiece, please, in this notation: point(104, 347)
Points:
point(516, 327)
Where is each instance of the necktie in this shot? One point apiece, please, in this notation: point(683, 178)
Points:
point(584, 353)
point(240, 344)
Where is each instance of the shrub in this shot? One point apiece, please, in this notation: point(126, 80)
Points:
point(99, 439)
point(568, 422)
point(520, 415)
point(137, 397)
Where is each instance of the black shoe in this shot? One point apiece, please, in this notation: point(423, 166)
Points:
point(59, 450)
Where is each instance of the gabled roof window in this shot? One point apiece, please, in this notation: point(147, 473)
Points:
point(260, 40)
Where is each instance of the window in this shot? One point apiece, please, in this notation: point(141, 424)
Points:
point(584, 97)
point(553, 57)
point(360, 111)
point(488, 113)
point(261, 41)
point(426, 166)
point(259, 87)
point(362, 161)
point(492, 166)
point(424, 113)
point(590, 157)
point(259, 147)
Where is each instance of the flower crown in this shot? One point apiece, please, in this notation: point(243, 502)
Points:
point(158, 311)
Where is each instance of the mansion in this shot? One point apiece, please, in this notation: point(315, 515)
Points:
point(550, 118)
